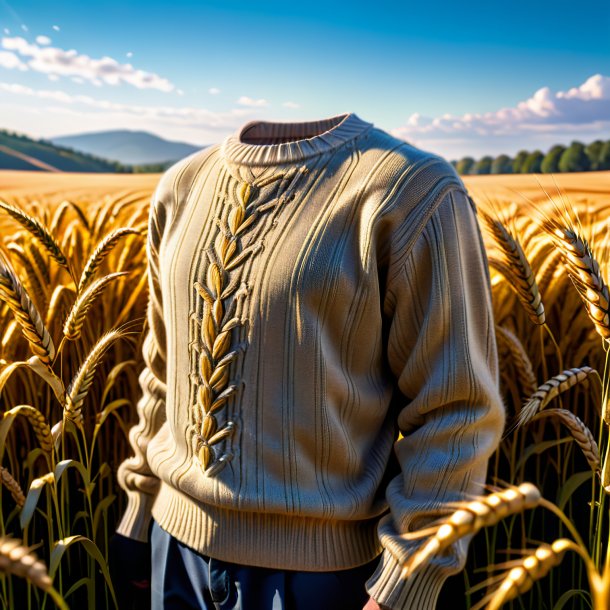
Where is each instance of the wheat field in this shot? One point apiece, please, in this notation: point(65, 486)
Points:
point(73, 294)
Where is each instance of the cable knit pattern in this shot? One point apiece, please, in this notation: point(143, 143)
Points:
point(315, 288)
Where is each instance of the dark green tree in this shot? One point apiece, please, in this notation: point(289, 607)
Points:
point(593, 151)
point(465, 165)
point(483, 166)
point(604, 156)
point(502, 164)
point(574, 158)
point(519, 160)
point(532, 163)
point(550, 163)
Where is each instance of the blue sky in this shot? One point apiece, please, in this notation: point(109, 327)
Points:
point(456, 78)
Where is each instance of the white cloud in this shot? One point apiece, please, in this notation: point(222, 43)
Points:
point(55, 27)
point(291, 105)
point(214, 90)
point(10, 61)
point(129, 54)
point(43, 40)
point(177, 116)
point(244, 100)
point(7, 31)
point(106, 70)
point(545, 112)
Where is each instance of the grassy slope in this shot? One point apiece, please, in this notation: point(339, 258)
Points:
point(63, 159)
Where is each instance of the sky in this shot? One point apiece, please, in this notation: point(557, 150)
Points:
point(454, 78)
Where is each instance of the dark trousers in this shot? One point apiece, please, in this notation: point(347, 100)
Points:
point(183, 579)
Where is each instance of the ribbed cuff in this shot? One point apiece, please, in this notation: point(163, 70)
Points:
point(419, 591)
point(136, 518)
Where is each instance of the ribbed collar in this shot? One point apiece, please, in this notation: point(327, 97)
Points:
point(262, 143)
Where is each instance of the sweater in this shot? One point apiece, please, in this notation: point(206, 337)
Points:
point(315, 289)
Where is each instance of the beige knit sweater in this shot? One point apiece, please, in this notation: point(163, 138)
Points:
point(315, 287)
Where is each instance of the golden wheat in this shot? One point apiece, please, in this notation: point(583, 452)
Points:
point(76, 318)
point(26, 314)
point(522, 577)
point(37, 420)
point(473, 516)
point(519, 358)
point(519, 273)
point(79, 387)
point(12, 485)
point(580, 433)
point(42, 234)
point(552, 388)
point(584, 271)
point(19, 560)
point(101, 252)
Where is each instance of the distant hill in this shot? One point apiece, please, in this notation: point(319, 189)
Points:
point(18, 151)
point(127, 146)
point(21, 152)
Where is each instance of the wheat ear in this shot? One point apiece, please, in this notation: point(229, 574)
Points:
point(19, 560)
point(101, 251)
point(521, 278)
point(41, 233)
point(580, 433)
point(520, 359)
point(583, 269)
point(77, 391)
point(547, 270)
point(487, 510)
point(26, 314)
point(12, 485)
point(552, 388)
point(521, 578)
point(37, 420)
point(76, 318)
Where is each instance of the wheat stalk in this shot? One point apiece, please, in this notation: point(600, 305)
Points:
point(101, 251)
point(584, 271)
point(78, 388)
point(520, 359)
point(471, 517)
point(22, 561)
point(517, 269)
point(552, 388)
point(547, 270)
point(36, 290)
point(76, 318)
point(26, 314)
point(37, 420)
point(13, 486)
point(521, 578)
point(40, 263)
point(19, 560)
point(42, 234)
point(581, 434)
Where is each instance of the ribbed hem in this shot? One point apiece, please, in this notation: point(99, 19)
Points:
point(136, 518)
point(306, 139)
point(272, 540)
point(419, 591)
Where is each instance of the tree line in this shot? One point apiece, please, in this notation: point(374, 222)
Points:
point(577, 157)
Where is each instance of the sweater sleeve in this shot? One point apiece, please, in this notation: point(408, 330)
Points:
point(134, 475)
point(441, 350)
